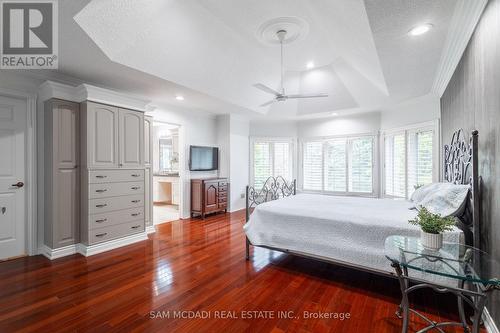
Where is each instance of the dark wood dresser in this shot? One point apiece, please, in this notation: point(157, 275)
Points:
point(209, 196)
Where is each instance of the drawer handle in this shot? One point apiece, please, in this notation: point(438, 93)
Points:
point(101, 176)
point(101, 191)
point(101, 220)
point(136, 226)
point(135, 188)
point(100, 206)
point(136, 214)
point(135, 175)
point(136, 201)
point(101, 235)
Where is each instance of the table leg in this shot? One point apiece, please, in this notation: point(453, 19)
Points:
point(404, 307)
point(461, 311)
point(478, 313)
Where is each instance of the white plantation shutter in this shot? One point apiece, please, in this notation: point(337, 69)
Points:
point(313, 166)
point(271, 158)
point(261, 162)
point(420, 148)
point(336, 165)
point(282, 160)
point(408, 161)
point(395, 165)
point(361, 165)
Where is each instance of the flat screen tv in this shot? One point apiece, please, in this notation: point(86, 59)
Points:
point(203, 158)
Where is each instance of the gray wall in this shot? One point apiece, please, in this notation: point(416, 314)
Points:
point(472, 101)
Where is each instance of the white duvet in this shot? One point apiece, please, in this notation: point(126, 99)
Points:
point(348, 229)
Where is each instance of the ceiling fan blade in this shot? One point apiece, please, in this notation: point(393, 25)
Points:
point(266, 89)
point(306, 95)
point(268, 103)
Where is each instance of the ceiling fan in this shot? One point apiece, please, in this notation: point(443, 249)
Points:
point(281, 96)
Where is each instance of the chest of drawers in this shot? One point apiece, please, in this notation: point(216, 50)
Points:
point(114, 204)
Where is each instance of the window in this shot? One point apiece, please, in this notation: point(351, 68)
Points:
point(271, 157)
point(408, 161)
point(338, 165)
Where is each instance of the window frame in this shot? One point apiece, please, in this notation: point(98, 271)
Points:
point(375, 163)
point(293, 154)
point(418, 127)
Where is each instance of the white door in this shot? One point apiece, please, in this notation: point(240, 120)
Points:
point(12, 190)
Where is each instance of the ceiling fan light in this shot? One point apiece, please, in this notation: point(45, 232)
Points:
point(310, 65)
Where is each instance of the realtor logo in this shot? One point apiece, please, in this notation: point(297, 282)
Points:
point(29, 34)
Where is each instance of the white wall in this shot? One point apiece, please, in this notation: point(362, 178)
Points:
point(195, 129)
point(353, 124)
point(273, 128)
point(417, 110)
point(239, 165)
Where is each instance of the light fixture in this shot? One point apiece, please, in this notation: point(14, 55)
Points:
point(334, 114)
point(420, 29)
point(179, 98)
point(310, 65)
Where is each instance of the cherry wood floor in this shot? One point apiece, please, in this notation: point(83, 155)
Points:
point(199, 267)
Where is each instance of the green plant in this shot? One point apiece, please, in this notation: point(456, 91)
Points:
point(432, 223)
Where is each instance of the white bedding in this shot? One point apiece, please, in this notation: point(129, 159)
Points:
point(348, 229)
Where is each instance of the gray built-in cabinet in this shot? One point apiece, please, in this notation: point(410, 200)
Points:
point(62, 173)
point(148, 172)
point(97, 169)
point(113, 173)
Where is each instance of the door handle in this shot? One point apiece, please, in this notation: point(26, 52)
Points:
point(18, 184)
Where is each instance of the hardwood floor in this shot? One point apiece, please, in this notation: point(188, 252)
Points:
point(199, 266)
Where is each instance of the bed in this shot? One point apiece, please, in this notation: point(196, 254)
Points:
point(351, 231)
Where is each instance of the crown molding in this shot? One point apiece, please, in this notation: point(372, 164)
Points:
point(465, 18)
point(87, 92)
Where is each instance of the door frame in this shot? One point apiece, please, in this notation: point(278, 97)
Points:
point(182, 163)
point(31, 243)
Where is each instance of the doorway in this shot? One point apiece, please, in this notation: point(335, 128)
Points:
point(13, 114)
point(166, 172)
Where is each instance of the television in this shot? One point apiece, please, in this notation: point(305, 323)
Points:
point(203, 158)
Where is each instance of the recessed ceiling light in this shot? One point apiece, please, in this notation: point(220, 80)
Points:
point(420, 29)
point(334, 114)
point(179, 98)
point(310, 65)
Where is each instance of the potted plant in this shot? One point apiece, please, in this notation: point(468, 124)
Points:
point(433, 226)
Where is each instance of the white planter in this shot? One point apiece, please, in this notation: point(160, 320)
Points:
point(431, 241)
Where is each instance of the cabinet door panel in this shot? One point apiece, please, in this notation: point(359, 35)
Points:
point(102, 135)
point(210, 197)
point(148, 141)
point(65, 126)
point(131, 138)
point(67, 208)
point(148, 202)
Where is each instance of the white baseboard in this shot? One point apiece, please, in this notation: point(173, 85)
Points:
point(57, 253)
point(150, 229)
point(489, 323)
point(89, 250)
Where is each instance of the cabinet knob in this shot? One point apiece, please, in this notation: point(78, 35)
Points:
point(101, 235)
point(101, 191)
point(136, 214)
point(101, 176)
point(135, 175)
point(136, 201)
point(136, 226)
point(100, 206)
point(101, 220)
point(135, 188)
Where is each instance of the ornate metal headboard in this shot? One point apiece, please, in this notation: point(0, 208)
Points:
point(273, 189)
point(461, 167)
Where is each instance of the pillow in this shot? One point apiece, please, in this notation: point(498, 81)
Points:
point(445, 199)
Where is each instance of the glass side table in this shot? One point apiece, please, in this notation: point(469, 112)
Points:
point(455, 268)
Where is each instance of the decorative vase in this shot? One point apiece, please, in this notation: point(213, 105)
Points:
point(431, 241)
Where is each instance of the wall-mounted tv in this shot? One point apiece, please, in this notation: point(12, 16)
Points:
point(203, 158)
